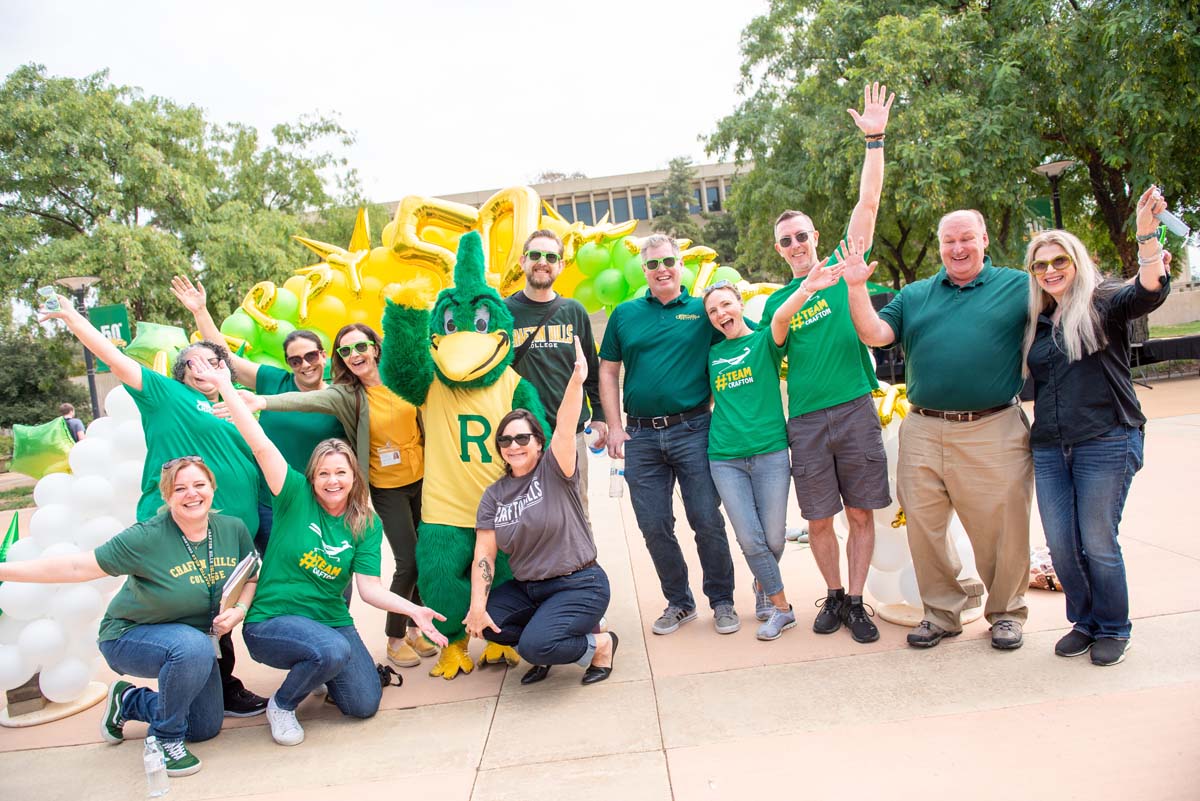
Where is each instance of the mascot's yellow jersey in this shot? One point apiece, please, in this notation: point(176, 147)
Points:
point(460, 429)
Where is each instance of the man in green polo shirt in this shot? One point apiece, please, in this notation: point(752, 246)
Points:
point(965, 445)
point(836, 442)
point(663, 341)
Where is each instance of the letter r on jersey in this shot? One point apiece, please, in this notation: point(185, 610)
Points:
point(474, 429)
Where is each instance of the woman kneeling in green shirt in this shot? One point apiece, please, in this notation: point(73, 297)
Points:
point(323, 531)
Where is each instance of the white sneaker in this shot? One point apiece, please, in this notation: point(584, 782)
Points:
point(285, 729)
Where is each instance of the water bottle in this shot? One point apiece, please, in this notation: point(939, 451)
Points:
point(616, 479)
point(156, 768)
point(590, 437)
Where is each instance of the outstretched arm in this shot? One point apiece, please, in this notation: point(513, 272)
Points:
point(123, 367)
point(274, 467)
point(55, 570)
point(371, 590)
point(195, 300)
point(562, 443)
point(483, 570)
point(818, 278)
point(869, 326)
point(407, 366)
point(872, 122)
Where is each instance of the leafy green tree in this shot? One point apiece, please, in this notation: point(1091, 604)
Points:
point(671, 210)
point(35, 370)
point(721, 234)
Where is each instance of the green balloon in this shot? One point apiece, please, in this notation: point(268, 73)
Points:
point(641, 293)
point(688, 279)
point(286, 305)
point(585, 293)
point(610, 287)
point(623, 258)
point(592, 258)
point(725, 274)
point(152, 338)
point(635, 276)
point(38, 450)
point(260, 357)
point(271, 342)
point(239, 325)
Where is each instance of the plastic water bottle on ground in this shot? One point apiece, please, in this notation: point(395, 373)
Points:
point(616, 479)
point(157, 783)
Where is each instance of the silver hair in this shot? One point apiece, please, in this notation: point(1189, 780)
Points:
point(655, 240)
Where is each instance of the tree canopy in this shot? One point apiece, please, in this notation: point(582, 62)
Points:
point(985, 92)
point(671, 211)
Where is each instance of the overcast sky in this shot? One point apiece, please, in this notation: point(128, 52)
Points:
point(444, 97)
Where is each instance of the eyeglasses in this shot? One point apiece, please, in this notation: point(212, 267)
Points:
point(801, 238)
point(538, 255)
point(722, 284)
point(1060, 262)
point(665, 261)
point(214, 363)
point(504, 440)
point(167, 465)
point(358, 347)
point(312, 357)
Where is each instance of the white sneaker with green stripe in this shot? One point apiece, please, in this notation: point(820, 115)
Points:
point(180, 761)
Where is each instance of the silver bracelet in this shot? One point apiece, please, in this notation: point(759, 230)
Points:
point(1157, 257)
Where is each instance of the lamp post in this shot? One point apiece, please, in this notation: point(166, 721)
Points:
point(1054, 170)
point(79, 287)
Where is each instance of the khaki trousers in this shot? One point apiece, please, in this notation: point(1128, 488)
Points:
point(984, 471)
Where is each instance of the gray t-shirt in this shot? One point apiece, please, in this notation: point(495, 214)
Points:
point(539, 522)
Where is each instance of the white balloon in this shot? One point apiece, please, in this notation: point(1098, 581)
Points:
point(66, 680)
point(97, 531)
point(25, 601)
point(53, 523)
point(84, 648)
point(107, 585)
point(59, 549)
point(10, 629)
point(93, 495)
point(92, 457)
point(754, 308)
point(23, 550)
point(119, 404)
point(54, 488)
point(102, 428)
point(76, 607)
point(891, 550)
point(884, 586)
point(130, 440)
point(15, 670)
point(908, 587)
point(127, 476)
point(43, 642)
point(126, 514)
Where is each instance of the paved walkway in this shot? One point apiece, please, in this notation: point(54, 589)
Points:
point(699, 716)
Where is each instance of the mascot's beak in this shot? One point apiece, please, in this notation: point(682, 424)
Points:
point(466, 355)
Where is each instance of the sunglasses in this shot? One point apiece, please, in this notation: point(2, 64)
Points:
point(665, 261)
point(504, 440)
point(1059, 262)
point(801, 238)
point(722, 284)
point(358, 347)
point(312, 357)
point(538, 255)
point(167, 465)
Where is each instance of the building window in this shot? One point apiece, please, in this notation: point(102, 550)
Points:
point(583, 211)
point(639, 206)
point(714, 198)
point(601, 206)
point(694, 208)
point(621, 209)
point(566, 212)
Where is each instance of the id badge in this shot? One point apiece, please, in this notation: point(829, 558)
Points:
point(387, 458)
point(216, 643)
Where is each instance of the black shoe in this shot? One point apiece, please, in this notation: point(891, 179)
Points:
point(927, 635)
point(1073, 643)
point(858, 622)
point(829, 619)
point(244, 704)
point(597, 674)
point(1109, 651)
point(535, 674)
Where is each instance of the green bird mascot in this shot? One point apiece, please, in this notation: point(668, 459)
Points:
point(453, 365)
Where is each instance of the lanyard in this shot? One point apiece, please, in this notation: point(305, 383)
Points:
point(209, 575)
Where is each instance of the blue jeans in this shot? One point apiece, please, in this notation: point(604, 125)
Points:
point(316, 654)
point(1081, 491)
point(755, 493)
point(550, 621)
point(654, 460)
point(188, 704)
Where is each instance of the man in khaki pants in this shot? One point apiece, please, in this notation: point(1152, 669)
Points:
point(965, 447)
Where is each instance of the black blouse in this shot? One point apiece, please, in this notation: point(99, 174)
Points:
point(1075, 401)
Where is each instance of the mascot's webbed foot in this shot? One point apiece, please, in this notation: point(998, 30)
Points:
point(454, 659)
point(495, 654)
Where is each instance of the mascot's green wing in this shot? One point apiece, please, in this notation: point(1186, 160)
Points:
point(407, 366)
point(525, 396)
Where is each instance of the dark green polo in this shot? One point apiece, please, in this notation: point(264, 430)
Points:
point(665, 351)
point(962, 345)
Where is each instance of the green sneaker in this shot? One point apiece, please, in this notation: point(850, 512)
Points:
point(112, 725)
point(180, 761)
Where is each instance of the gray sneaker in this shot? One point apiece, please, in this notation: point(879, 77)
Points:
point(762, 604)
point(671, 618)
point(725, 619)
point(776, 624)
point(1006, 634)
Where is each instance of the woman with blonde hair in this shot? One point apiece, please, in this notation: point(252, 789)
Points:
point(1088, 427)
point(324, 530)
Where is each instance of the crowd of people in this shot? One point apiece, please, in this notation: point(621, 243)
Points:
point(327, 471)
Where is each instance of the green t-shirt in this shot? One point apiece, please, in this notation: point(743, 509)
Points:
point(294, 433)
point(309, 559)
point(962, 345)
point(164, 584)
point(747, 406)
point(178, 421)
point(665, 351)
point(827, 363)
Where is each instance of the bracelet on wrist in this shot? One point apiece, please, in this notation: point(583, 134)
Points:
point(874, 137)
point(1144, 238)
point(239, 605)
point(1152, 259)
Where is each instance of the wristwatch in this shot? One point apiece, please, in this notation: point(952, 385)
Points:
point(1143, 238)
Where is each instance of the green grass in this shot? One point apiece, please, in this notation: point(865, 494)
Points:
point(1181, 330)
point(17, 498)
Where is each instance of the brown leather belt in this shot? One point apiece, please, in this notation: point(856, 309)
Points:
point(962, 417)
point(667, 420)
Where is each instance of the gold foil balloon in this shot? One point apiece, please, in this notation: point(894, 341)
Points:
point(506, 220)
point(413, 214)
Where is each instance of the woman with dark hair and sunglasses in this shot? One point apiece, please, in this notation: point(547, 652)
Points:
point(558, 594)
point(294, 433)
point(177, 417)
point(747, 441)
point(164, 620)
point(386, 436)
point(1088, 428)
point(324, 531)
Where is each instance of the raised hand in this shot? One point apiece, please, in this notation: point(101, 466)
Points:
point(217, 375)
point(874, 116)
point(1150, 203)
point(581, 365)
point(66, 309)
point(193, 298)
point(854, 269)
